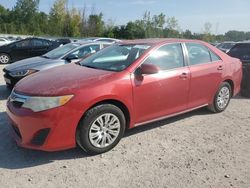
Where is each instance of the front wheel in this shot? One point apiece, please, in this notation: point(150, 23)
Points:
point(4, 58)
point(101, 129)
point(222, 98)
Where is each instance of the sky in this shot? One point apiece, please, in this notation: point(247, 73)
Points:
point(224, 15)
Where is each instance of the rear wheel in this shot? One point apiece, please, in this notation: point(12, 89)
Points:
point(101, 129)
point(4, 58)
point(222, 98)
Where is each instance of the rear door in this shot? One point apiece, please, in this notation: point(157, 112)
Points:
point(206, 70)
point(39, 47)
point(163, 93)
point(21, 50)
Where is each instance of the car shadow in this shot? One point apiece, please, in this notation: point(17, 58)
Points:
point(239, 97)
point(15, 157)
point(4, 92)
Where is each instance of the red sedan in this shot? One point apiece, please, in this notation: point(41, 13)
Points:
point(92, 103)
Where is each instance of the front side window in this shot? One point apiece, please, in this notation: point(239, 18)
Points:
point(116, 57)
point(23, 44)
point(197, 54)
point(167, 57)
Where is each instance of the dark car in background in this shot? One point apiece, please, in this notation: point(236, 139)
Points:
point(63, 41)
point(68, 53)
point(26, 48)
point(225, 46)
point(241, 50)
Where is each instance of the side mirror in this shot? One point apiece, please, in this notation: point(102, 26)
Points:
point(147, 69)
point(72, 57)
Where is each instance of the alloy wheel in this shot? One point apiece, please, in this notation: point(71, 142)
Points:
point(104, 130)
point(223, 97)
point(4, 59)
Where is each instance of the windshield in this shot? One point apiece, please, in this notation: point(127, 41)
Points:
point(116, 57)
point(60, 51)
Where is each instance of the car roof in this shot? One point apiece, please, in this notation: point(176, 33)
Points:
point(158, 41)
point(90, 42)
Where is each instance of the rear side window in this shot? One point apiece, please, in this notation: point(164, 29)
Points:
point(241, 51)
point(214, 57)
point(198, 54)
point(167, 57)
point(37, 42)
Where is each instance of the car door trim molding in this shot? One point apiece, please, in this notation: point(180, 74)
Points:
point(169, 116)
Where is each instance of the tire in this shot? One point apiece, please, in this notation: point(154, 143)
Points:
point(221, 98)
point(106, 123)
point(9, 86)
point(4, 58)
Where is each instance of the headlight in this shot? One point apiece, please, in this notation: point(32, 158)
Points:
point(37, 104)
point(22, 73)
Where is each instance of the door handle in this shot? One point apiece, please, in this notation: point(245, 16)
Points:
point(184, 75)
point(220, 67)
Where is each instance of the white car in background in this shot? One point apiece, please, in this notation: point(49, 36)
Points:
point(4, 41)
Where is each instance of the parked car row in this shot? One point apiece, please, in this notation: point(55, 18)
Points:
point(130, 83)
point(68, 53)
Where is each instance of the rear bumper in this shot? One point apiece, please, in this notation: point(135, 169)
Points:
point(51, 130)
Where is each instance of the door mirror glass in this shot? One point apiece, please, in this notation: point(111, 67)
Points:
point(147, 69)
point(72, 57)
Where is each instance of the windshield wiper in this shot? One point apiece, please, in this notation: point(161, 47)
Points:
point(89, 66)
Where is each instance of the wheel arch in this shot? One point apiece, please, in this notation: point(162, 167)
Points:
point(114, 102)
point(231, 83)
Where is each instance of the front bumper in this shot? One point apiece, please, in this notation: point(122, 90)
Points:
point(50, 130)
point(11, 81)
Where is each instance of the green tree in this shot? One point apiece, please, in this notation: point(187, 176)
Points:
point(57, 17)
point(24, 12)
point(95, 25)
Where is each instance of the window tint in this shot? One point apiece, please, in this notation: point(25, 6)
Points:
point(214, 57)
point(37, 42)
point(241, 51)
point(167, 57)
point(105, 40)
point(197, 54)
point(23, 44)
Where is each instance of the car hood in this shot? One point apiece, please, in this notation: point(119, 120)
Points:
point(31, 63)
point(62, 80)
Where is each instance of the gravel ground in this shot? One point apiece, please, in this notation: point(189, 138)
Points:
point(197, 149)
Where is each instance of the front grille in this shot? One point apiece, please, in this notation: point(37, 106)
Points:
point(40, 137)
